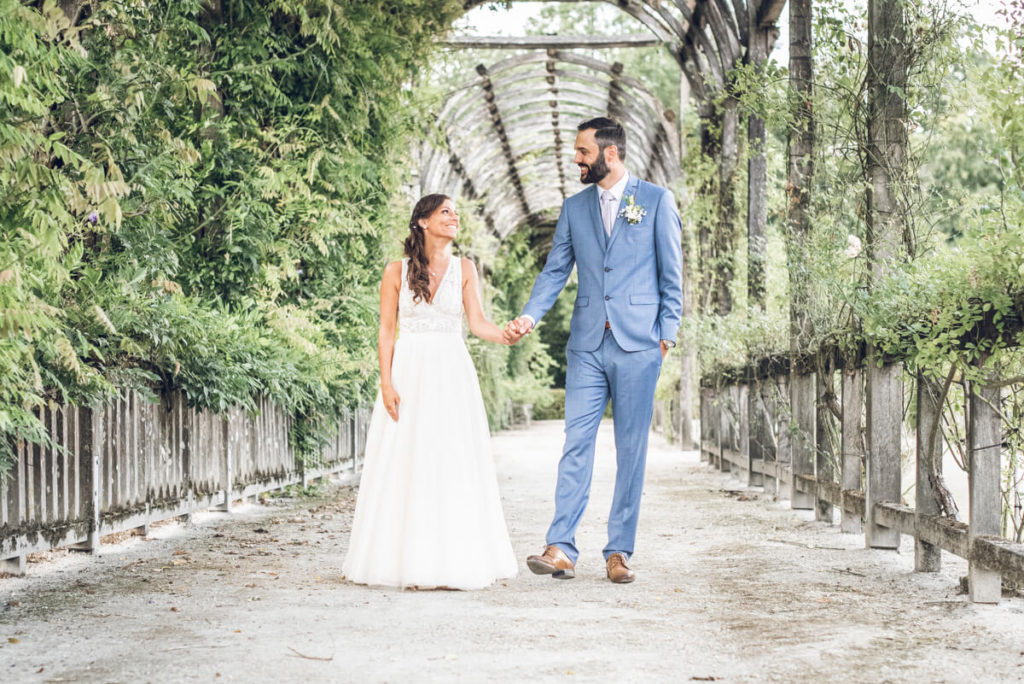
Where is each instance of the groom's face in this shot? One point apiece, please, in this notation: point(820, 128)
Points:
point(590, 157)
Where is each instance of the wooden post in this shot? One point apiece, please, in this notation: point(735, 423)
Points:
point(705, 423)
point(185, 434)
point(724, 236)
point(784, 450)
point(743, 431)
point(927, 557)
point(755, 434)
point(852, 444)
point(800, 174)
point(724, 431)
point(984, 443)
point(757, 166)
point(354, 428)
point(91, 440)
point(14, 565)
point(801, 393)
point(885, 421)
point(688, 354)
point(228, 472)
point(824, 457)
point(771, 445)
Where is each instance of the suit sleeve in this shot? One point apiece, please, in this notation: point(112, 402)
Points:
point(556, 271)
point(668, 250)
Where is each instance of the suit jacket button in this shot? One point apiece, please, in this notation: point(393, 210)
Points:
point(606, 269)
point(606, 298)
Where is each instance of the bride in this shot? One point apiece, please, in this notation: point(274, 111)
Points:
point(429, 513)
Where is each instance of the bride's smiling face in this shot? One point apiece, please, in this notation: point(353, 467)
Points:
point(443, 223)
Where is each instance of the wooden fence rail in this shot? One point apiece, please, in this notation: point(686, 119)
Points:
point(133, 462)
point(768, 429)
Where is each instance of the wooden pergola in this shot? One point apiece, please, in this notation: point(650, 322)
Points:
point(508, 134)
point(708, 39)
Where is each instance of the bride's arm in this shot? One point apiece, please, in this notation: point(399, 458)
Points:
point(390, 284)
point(478, 323)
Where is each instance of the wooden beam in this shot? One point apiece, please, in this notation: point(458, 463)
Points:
point(1000, 555)
point(768, 13)
point(499, 129)
point(984, 442)
point(627, 40)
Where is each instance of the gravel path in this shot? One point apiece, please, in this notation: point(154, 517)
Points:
point(730, 588)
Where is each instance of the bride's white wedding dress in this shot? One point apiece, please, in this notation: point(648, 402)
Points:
point(429, 512)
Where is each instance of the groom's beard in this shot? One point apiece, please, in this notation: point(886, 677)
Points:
point(594, 173)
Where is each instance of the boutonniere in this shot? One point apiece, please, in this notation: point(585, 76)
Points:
point(633, 212)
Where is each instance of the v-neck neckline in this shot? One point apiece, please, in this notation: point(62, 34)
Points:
point(440, 283)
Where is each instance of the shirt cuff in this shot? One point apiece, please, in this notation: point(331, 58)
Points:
point(533, 323)
point(669, 343)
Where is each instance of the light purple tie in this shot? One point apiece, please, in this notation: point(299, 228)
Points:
point(607, 210)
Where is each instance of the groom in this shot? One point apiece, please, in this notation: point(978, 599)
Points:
point(623, 235)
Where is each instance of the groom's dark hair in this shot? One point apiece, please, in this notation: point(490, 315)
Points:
point(606, 132)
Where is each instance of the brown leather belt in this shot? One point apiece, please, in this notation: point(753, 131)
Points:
point(607, 325)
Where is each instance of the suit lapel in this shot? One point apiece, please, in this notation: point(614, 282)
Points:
point(595, 219)
point(620, 221)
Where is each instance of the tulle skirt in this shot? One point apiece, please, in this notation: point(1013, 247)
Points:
point(429, 513)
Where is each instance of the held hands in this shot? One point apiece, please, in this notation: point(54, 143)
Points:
point(516, 329)
point(391, 401)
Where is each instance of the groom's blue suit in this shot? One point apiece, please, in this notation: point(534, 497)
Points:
point(629, 299)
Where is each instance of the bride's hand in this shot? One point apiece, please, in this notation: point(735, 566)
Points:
point(391, 401)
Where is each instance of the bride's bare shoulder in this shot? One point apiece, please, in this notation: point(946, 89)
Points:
point(392, 273)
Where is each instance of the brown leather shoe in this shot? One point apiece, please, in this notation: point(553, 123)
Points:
point(552, 562)
point(618, 571)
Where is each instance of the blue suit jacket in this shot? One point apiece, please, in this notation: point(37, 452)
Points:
point(633, 279)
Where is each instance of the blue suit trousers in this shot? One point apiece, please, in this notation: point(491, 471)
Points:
point(629, 380)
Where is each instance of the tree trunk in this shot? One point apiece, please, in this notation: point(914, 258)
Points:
point(709, 148)
point(887, 135)
point(688, 360)
point(801, 169)
point(757, 175)
point(725, 222)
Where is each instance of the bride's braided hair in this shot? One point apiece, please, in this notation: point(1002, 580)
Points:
point(419, 275)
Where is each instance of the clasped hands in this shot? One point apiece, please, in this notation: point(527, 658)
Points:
point(516, 329)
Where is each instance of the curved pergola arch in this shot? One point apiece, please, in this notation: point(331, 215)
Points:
point(519, 177)
point(508, 134)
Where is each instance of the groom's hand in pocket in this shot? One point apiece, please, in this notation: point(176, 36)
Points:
point(391, 400)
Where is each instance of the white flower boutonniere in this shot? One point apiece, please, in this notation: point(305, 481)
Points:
point(633, 212)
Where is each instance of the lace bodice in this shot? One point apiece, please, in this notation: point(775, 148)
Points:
point(444, 314)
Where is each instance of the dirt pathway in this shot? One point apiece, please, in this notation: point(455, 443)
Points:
point(728, 590)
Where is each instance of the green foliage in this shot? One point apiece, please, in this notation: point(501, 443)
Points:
point(520, 373)
point(963, 200)
point(193, 194)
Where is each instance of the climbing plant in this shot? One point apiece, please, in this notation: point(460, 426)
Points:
point(192, 194)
